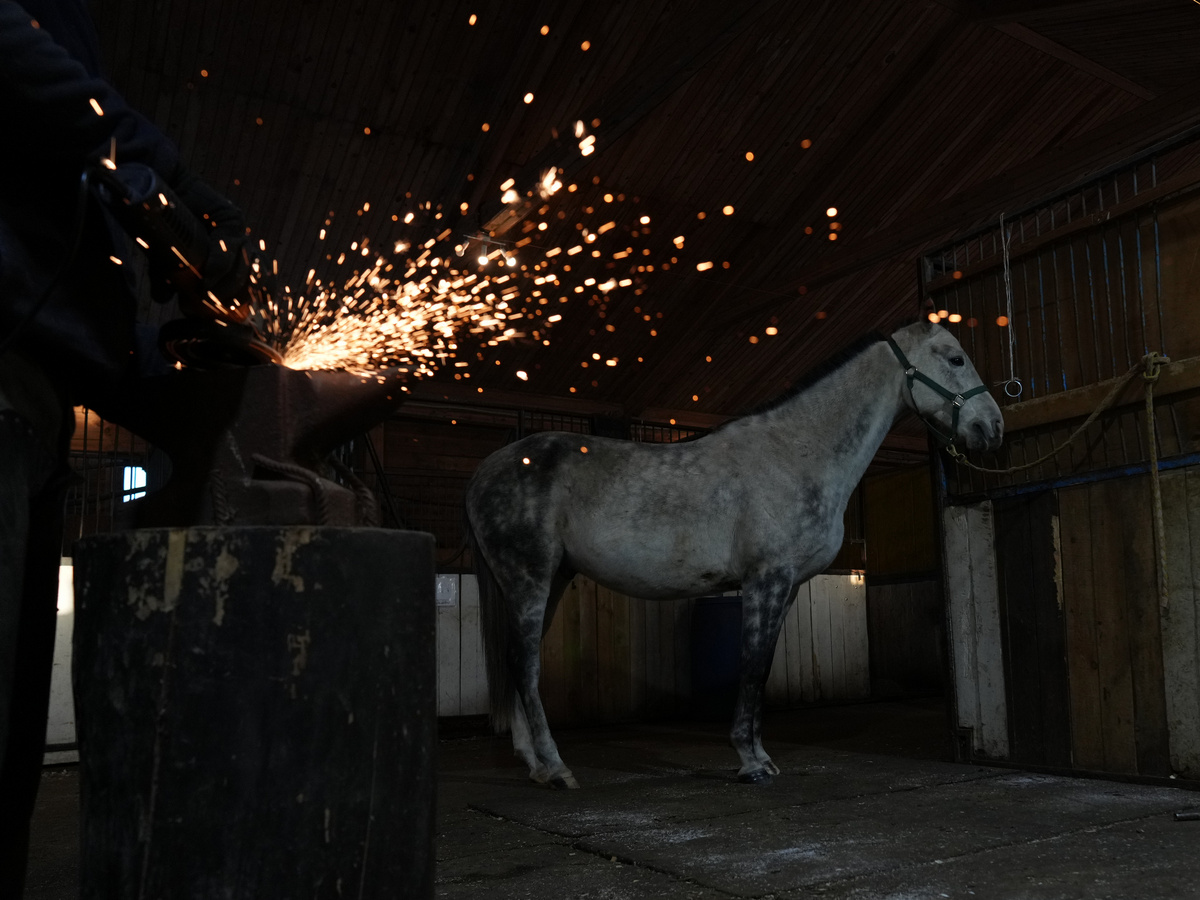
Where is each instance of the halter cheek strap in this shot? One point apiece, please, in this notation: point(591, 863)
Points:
point(912, 373)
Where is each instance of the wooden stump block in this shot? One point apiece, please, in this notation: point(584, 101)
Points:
point(256, 712)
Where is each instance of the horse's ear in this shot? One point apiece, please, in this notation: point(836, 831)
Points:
point(927, 309)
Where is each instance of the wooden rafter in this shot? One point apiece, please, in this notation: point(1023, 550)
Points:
point(1058, 51)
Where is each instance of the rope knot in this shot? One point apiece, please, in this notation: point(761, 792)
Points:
point(1154, 362)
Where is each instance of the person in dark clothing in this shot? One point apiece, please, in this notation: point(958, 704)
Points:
point(67, 337)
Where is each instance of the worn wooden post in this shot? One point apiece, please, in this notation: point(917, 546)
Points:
point(256, 711)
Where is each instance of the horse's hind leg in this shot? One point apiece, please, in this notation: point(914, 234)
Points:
point(531, 732)
point(532, 741)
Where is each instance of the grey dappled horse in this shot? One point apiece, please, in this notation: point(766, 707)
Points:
point(758, 503)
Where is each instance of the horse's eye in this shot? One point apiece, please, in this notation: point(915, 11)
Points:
point(956, 360)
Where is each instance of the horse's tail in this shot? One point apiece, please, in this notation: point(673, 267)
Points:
point(493, 612)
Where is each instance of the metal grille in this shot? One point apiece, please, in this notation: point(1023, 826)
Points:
point(654, 433)
point(1098, 277)
point(112, 466)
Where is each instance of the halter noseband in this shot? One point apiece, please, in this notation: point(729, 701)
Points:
point(956, 400)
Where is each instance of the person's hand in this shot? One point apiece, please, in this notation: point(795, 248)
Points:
point(226, 272)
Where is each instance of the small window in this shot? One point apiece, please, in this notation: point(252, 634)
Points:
point(134, 483)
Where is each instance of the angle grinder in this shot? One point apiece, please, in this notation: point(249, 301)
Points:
point(215, 332)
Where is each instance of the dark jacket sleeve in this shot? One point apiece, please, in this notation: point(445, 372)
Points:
point(50, 101)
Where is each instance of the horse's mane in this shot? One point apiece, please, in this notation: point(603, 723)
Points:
point(820, 371)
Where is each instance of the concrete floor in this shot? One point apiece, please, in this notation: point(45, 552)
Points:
point(866, 807)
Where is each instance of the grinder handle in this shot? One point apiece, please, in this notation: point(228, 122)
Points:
point(148, 209)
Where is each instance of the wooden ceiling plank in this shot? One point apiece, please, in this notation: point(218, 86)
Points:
point(630, 100)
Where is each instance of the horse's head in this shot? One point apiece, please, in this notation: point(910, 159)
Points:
point(944, 389)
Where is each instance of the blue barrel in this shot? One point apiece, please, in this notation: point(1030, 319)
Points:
point(716, 656)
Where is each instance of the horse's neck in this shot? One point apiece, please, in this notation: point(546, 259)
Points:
point(845, 415)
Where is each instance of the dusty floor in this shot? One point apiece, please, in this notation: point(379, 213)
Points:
point(866, 807)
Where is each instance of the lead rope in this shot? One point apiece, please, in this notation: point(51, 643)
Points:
point(1149, 368)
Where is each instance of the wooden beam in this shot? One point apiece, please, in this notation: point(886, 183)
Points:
point(1003, 17)
point(468, 395)
point(1058, 51)
point(1174, 378)
point(993, 12)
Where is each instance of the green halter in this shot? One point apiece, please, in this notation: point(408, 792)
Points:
point(956, 400)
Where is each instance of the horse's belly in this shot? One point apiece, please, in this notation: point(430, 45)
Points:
point(654, 568)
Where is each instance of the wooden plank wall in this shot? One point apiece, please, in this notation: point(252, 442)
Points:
point(610, 658)
point(906, 621)
point(1180, 622)
point(1031, 628)
point(974, 624)
point(905, 609)
point(1062, 654)
point(1114, 633)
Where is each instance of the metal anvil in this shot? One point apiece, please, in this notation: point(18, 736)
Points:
point(250, 445)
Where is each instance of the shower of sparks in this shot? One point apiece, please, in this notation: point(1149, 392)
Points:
point(387, 316)
point(444, 297)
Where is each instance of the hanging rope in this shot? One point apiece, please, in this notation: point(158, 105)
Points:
point(1013, 386)
point(1149, 367)
point(1154, 363)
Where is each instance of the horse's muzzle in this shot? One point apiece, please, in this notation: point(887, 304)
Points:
point(986, 434)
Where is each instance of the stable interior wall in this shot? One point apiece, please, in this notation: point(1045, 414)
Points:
point(905, 611)
point(608, 657)
point(1064, 653)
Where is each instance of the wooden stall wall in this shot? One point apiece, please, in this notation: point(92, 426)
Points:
point(823, 652)
point(905, 610)
point(980, 700)
point(1064, 654)
point(608, 657)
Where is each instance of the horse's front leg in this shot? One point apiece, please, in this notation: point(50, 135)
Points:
point(765, 601)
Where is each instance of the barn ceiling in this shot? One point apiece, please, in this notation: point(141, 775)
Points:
point(917, 120)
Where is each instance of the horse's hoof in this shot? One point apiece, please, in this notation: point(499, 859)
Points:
point(564, 783)
point(758, 776)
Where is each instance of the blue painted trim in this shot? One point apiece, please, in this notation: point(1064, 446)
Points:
point(1164, 465)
